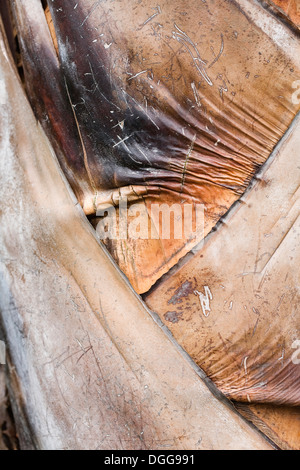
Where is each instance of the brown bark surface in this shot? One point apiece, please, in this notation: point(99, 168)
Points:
point(291, 8)
point(280, 423)
point(234, 306)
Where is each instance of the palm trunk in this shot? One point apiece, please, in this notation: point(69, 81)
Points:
point(167, 105)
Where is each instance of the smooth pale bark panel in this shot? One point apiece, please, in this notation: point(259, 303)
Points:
point(176, 102)
point(94, 368)
point(280, 423)
point(235, 305)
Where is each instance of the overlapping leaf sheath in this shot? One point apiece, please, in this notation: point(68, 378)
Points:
point(171, 102)
point(234, 306)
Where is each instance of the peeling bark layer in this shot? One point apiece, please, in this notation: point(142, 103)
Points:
point(280, 423)
point(177, 102)
point(235, 304)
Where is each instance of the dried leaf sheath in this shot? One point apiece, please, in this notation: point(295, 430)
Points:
point(185, 105)
point(69, 317)
point(246, 342)
point(167, 106)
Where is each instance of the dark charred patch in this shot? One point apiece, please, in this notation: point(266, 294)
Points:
point(44, 4)
point(183, 291)
point(173, 317)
